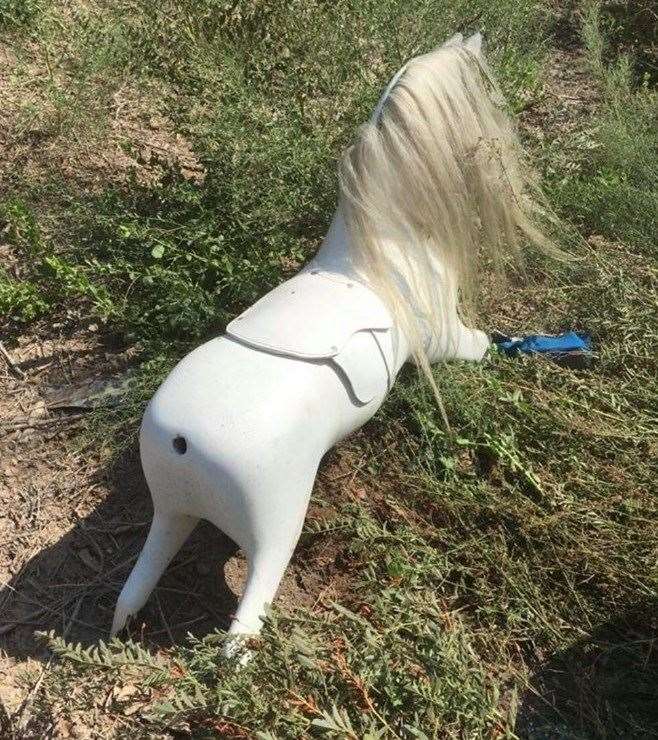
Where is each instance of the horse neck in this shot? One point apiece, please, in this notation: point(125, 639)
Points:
point(335, 256)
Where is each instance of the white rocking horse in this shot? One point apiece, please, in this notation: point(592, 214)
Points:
point(434, 184)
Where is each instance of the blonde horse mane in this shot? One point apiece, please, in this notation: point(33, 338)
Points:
point(437, 182)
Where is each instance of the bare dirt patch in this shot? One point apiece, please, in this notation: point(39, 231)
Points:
point(48, 130)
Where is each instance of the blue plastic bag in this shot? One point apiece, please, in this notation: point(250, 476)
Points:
point(571, 349)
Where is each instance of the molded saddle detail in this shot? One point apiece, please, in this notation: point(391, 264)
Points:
point(356, 364)
point(323, 316)
point(311, 317)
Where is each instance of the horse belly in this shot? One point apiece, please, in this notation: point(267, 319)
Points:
point(232, 432)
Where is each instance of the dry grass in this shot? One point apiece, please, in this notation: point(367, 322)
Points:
point(161, 167)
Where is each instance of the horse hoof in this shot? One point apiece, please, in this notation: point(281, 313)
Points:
point(236, 649)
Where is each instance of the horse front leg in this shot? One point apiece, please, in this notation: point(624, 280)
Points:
point(456, 341)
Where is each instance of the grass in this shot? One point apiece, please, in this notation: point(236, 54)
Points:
point(615, 194)
point(501, 584)
point(215, 74)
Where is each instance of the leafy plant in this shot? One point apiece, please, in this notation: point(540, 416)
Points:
point(497, 583)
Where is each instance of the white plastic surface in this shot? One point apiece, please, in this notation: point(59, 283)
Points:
point(357, 363)
point(312, 316)
point(236, 432)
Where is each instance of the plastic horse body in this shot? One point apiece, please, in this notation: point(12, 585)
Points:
point(236, 433)
point(235, 436)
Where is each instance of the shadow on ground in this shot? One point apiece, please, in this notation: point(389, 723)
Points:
point(604, 686)
point(71, 586)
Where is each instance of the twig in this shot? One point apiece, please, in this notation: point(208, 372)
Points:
point(27, 619)
point(120, 528)
point(17, 577)
point(182, 564)
point(36, 423)
point(162, 616)
point(12, 365)
point(177, 626)
point(65, 602)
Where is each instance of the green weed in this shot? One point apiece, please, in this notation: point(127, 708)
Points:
point(20, 300)
point(15, 14)
point(502, 582)
point(615, 193)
